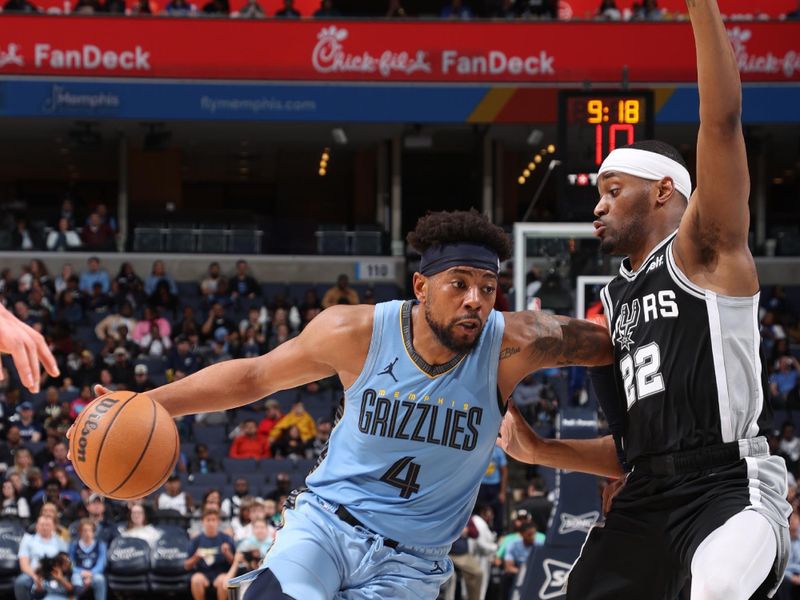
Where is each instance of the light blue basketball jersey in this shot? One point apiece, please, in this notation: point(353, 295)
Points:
point(408, 455)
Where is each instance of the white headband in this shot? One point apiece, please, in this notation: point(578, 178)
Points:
point(648, 165)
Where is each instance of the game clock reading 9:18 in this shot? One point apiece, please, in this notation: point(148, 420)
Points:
point(623, 114)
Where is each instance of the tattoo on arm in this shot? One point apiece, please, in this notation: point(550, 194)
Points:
point(563, 342)
point(508, 352)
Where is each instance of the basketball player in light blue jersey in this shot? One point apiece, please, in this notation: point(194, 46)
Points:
point(425, 387)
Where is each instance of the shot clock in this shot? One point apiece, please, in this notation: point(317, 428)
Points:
point(590, 125)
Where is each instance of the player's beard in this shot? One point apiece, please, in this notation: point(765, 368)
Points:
point(628, 236)
point(446, 333)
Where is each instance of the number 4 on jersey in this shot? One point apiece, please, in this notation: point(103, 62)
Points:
point(408, 485)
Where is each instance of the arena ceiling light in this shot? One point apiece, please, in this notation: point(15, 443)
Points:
point(339, 136)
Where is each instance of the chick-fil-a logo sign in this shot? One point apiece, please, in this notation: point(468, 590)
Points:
point(768, 63)
point(329, 56)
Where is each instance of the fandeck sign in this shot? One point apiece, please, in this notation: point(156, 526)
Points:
point(384, 51)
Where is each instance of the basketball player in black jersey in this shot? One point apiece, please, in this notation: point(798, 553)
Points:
point(687, 394)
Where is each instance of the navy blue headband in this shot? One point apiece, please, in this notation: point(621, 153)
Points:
point(440, 258)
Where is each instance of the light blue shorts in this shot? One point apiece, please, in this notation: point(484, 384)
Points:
point(317, 556)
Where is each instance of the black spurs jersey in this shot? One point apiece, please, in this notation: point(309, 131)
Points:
point(687, 360)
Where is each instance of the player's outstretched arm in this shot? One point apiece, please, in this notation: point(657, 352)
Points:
point(535, 340)
point(712, 240)
point(596, 456)
point(336, 341)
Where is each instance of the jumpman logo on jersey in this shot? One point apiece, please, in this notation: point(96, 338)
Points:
point(626, 324)
point(389, 369)
point(437, 569)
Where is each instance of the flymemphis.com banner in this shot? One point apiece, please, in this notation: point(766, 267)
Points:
point(420, 52)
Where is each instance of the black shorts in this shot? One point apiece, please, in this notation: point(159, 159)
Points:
point(645, 548)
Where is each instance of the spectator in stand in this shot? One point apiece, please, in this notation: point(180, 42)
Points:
point(507, 9)
point(493, 486)
point(11, 446)
point(288, 11)
point(282, 334)
point(540, 9)
point(23, 237)
point(105, 529)
point(456, 10)
point(153, 343)
point(109, 326)
point(395, 10)
point(51, 493)
point(466, 564)
point(608, 11)
point(216, 323)
point(98, 302)
point(96, 235)
point(63, 238)
point(23, 6)
point(87, 7)
point(648, 11)
point(271, 417)
point(790, 587)
point(32, 549)
point(141, 381)
point(291, 445)
point(188, 325)
point(77, 405)
point(101, 209)
point(69, 491)
point(252, 10)
point(88, 555)
point(144, 327)
point(297, 416)
point(217, 7)
point(484, 546)
point(129, 281)
point(68, 212)
point(13, 504)
point(29, 429)
point(61, 280)
point(86, 372)
point(258, 319)
point(181, 8)
point(243, 285)
point(536, 504)
point(60, 460)
point(209, 285)
point(157, 274)
point(283, 487)
point(320, 442)
point(173, 498)
point(327, 11)
point(230, 506)
point(520, 549)
point(94, 275)
point(162, 298)
point(121, 370)
point(201, 462)
point(210, 557)
point(114, 7)
point(789, 446)
point(242, 520)
point(49, 509)
point(341, 293)
point(144, 7)
point(52, 407)
point(138, 527)
point(251, 550)
point(785, 383)
point(249, 444)
point(182, 358)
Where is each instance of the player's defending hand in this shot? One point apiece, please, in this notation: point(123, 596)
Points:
point(26, 347)
point(517, 438)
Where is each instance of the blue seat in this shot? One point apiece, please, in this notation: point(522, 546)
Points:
point(156, 365)
point(128, 564)
point(239, 465)
point(270, 290)
point(209, 434)
point(187, 289)
point(304, 465)
point(272, 466)
point(210, 480)
point(243, 414)
point(286, 398)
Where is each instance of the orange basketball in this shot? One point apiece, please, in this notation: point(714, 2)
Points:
point(124, 445)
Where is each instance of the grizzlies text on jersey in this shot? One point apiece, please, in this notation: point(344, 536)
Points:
point(409, 453)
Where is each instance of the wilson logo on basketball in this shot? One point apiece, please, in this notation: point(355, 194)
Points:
point(91, 423)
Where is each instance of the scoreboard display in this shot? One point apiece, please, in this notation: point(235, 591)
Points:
point(590, 125)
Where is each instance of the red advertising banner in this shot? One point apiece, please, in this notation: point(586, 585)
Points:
point(568, 9)
point(731, 9)
point(319, 51)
